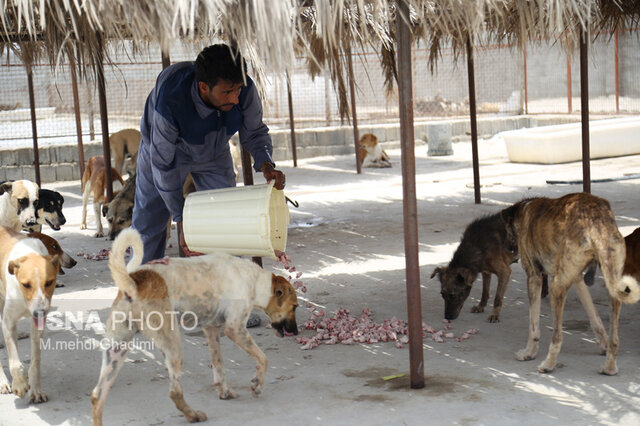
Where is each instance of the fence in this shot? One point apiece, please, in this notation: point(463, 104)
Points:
point(551, 86)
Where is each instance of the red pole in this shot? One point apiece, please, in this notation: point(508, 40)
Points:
point(569, 94)
point(34, 127)
point(352, 91)
point(584, 102)
point(526, 94)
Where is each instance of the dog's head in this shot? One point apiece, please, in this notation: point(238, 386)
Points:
point(282, 307)
point(53, 247)
point(50, 208)
point(455, 286)
point(36, 275)
point(24, 198)
point(119, 213)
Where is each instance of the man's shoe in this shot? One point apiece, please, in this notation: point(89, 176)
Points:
point(253, 321)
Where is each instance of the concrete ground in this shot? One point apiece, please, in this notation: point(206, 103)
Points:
point(347, 240)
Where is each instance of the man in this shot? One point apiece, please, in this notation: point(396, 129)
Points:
point(189, 117)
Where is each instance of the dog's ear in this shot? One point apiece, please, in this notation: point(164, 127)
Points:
point(55, 260)
point(6, 187)
point(14, 266)
point(130, 211)
point(437, 271)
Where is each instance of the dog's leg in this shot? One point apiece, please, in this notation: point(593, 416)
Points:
point(486, 287)
point(503, 283)
point(534, 283)
point(85, 200)
point(36, 395)
point(112, 360)
point(217, 363)
point(97, 209)
point(594, 318)
point(558, 296)
point(19, 385)
point(167, 338)
point(236, 331)
point(609, 367)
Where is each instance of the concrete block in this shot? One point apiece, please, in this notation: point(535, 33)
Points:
point(8, 157)
point(439, 139)
point(392, 133)
point(64, 172)
point(29, 173)
point(65, 153)
point(47, 173)
point(76, 171)
point(306, 138)
point(280, 140)
point(3, 174)
point(43, 156)
point(24, 156)
point(14, 173)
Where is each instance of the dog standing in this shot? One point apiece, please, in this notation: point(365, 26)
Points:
point(123, 142)
point(119, 212)
point(27, 283)
point(218, 290)
point(561, 237)
point(18, 204)
point(94, 184)
point(371, 153)
point(49, 211)
point(487, 249)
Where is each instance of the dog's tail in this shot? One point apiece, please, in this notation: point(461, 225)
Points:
point(120, 271)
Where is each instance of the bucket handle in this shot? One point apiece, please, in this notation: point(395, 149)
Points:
point(293, 203)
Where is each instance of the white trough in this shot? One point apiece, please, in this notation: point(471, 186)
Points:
point(562, 143)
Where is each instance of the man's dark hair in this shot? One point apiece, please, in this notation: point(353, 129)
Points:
point(220, 61)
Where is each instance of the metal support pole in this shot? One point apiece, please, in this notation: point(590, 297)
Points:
point(166, 60)
point(584, 105)
point(409, 204)
point(294, 150)
point(569, 93)
point(474, 124)
point(104, 120)
point(617, 60)
point(76, 109)
point(34, 127)
point(352, 91)
point(526, 84)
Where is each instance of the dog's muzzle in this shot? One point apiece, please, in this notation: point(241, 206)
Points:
point(285, 328)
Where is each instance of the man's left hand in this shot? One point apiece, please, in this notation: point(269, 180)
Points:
point(270, 173)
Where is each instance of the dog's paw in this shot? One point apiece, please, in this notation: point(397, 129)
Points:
point(493, 318)
point(524, 355)
point(477, 309)
point(608, 370)
point(5, 388)
point(227, 394)
point(99, 234)
point(19, 386)
point(195, 416)
point(256, 387)
point(83, 226)
point(546, 367)
point(36, 397)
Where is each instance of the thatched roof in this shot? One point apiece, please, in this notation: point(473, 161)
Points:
point(271, 33)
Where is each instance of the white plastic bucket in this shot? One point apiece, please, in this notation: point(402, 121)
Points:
point(245, 221)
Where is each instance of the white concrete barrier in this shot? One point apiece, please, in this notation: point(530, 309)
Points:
point(563, 143)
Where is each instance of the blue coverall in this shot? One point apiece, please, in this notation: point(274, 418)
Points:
point(182, 135)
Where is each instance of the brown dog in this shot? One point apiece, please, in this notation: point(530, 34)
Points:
point(94, 184)
point(126, 141)
point(371, 153)
point(632, 260)
point(561, 237)
point(485, 248)
point(218, 291)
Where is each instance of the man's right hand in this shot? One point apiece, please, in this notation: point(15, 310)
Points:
point(183, 244)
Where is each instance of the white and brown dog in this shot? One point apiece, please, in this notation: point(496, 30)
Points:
point(27, 282)
point(18, 204)
point(94, 185)
point(371, 153)
point(217, 290)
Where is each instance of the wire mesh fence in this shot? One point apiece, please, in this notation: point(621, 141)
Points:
point(542, 78)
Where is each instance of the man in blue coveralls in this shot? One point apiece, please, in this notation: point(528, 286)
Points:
point(189, 117)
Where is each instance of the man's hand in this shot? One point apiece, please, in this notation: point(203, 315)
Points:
point(270, 173)
point(183, 244)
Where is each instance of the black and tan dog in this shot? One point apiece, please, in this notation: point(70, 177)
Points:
point(48, 210)
point(217, 290)
point(119, 212)
point(487, 249)
point(562, 237)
